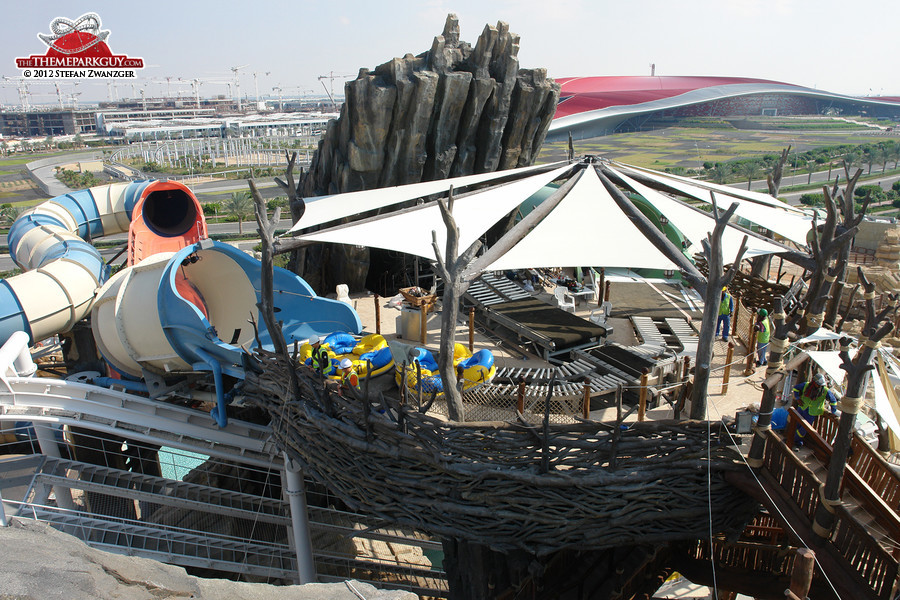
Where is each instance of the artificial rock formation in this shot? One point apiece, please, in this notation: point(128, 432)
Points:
point(453, 110)
point(888, 252)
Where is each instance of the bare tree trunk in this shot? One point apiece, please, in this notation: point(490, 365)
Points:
point(777, 345)
point(296, 204)
point(838, 275)
point(716, 280)
point(267, 280)
point(825, 245)
point(760, 264)
point(857, 368)
point(451, 271)
point(774, 180)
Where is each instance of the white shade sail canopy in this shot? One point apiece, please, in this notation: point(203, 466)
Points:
point(787, 223)
point(886, 404)
point(587, 228)
point(695, 224)
point(750, 195)
point(822, 334)
point(323, 209)
point(410, 230)
point(830, 362)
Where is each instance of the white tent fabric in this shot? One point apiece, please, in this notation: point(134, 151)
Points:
point(885, 400)
point(410, 230)
point(725, 189)
point(783, 222)
point(322, 209)
point(696, 224)
point(830, 362)
point(586, 228)
point(822, 334)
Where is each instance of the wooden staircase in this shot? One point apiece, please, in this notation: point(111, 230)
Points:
point(860, 554)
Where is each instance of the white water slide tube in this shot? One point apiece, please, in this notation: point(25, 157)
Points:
point(173, 312)
point(51, 243)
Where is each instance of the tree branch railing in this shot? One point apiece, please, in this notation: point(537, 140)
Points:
point(865, 461)
point(853, 541)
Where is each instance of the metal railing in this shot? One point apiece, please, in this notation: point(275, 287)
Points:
point(194, 517)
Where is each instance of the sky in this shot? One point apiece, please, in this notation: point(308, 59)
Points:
point(837, 46)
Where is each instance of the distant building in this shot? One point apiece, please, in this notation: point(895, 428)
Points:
point(253, 125)
point(52, 122)
point(593, 106)
point(168, 118)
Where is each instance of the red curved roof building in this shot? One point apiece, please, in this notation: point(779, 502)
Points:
point(592, 106)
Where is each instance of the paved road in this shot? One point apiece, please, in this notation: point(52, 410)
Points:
point(7, 264)
point(793, 198)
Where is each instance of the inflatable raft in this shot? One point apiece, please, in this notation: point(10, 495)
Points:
point(477, 368)
point(371, 350)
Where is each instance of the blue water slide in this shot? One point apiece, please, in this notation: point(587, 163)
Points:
point(208, 329)
point(51, 243)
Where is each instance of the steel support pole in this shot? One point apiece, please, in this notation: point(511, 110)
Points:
point(296, 493)
point(47, 440)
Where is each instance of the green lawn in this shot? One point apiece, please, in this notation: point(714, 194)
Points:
point(688, 147)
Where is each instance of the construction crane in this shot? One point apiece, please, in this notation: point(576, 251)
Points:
point(237, 84)
point(330, 89)
point(21, 84)
point(256, 83)
point(278, 89)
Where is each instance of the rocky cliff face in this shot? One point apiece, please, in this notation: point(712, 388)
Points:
point(453, 110)
point(41, 563)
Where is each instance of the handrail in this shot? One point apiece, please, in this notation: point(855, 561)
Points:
point(872, 562)
point(865, 555)
point(794, 477)
point(867, 476)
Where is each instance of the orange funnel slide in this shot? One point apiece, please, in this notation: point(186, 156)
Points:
point(166, 218)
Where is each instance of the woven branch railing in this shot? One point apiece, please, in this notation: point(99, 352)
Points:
point(743, 322)
point(507, 485)
point(874, 485)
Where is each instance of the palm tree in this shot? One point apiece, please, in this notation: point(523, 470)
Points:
point(720, 173)
point(750, 170)
point(851, 159)
point(10, 212)
point(871, 158)
point(239, 205)
point(892, 152)
point(876, 156)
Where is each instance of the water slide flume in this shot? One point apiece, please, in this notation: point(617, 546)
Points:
point(183, 304)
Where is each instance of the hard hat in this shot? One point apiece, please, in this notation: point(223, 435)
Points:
point(819, 379)
point(346, 363)
point(724, 288)
point(313, 339)
point(763, 312)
